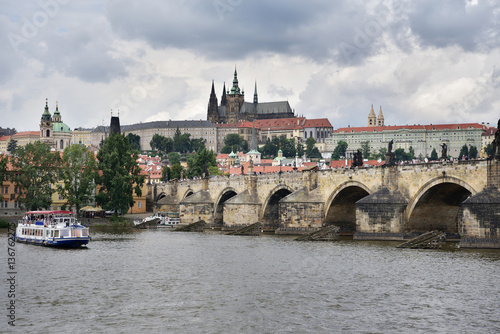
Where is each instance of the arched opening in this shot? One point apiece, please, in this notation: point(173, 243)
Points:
point(61, 144)
point(271, 215)
point(219, 209)
point(48, 133)
point(437, 208)
point(189, 193)
point(342, 210)
point(160, 196)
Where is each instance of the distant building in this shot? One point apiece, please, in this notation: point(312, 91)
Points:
point(234, 109)
point(53, 131)
point(422, 138)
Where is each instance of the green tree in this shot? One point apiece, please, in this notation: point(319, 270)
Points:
point(434, 155)
point(4, 159)
point(36, 170)
point(489, 150)
point(464, 152)
point(365, 149)
point(11, 146)
point(339, 150)
point(270, 149)
point(198, 143)
point(135, 141)
point(78, 173)
point(166, 173)
point(234, 141)
point(381, 153)
point(161, 144)
point(287, 146)
point(300, 149)
point(175, 171)
point(196, 164)
point(182, 142)
point(411, 153)
point(473, 152)
point(312, 151)
point(120, 174)
point(174, 158)
point(401, 155)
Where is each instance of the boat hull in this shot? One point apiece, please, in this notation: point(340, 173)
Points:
point(57, 242)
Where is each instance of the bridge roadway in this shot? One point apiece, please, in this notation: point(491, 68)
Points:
point(387, 200)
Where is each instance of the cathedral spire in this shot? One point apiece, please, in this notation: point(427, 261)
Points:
point(212, 112)
point(255, 97)
point(46, 116)
point(223, 99)
point(235, 89)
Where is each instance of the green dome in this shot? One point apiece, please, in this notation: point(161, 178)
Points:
point(60, 127)
point(232, 155)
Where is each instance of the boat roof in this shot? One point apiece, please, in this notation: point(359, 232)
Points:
point(50, 212)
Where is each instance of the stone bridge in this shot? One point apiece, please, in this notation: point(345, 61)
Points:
point(387, 202)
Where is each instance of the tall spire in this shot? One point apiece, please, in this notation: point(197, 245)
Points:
point(235, 89)
point(255, 97)
point(212, 112)
point(372, 119)
point(223, 100)
point(380, 118)
point(46, 116)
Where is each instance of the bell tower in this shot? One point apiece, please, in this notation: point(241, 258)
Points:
point(46, 127)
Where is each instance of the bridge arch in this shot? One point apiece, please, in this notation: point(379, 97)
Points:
point(160, 196)
point(188, 193)
point(224, 195)
point(340, 208)
point(436, 204)
point(270, 210)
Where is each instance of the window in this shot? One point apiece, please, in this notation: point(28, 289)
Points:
point(139, 204)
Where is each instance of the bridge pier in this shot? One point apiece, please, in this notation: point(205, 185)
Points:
point(244, 208)
point(302, 210)
point(479, 217)
point(381, 216)
point(196, 207)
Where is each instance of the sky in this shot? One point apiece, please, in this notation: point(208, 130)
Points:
point(423, 62)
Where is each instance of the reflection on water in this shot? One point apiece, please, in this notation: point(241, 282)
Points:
point(160, 281)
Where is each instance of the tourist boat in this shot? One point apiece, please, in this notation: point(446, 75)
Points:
point(170, 219)
point(52, 228)
point(148, 222)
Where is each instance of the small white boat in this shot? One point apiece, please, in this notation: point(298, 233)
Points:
point(52, 228)
point(169, 219)
point(148, 222)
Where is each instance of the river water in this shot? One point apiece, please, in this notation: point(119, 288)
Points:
point(158, 281)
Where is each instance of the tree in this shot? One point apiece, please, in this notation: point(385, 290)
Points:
point(339, 150)
point(175, 171)
point(198, 162)
point(411, 153)
point(434, 155)
point(120, 174)
point(174, 158)
point(234, 141)
point(311, 150)
point(489, 150)
point(4, 159)
point(270, 149)
point(78, 173)
point(287, 146)
point(300, 149)
point(36, 170)
point(401, 155)
point(161, 144)
point(473, 152)
point(198, 143)
point(11, 146)
point(365, 149)
point(464, 152)
point(381, 153)
point(135, 141)
point(182, 142)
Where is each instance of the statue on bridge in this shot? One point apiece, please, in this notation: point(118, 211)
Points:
point(444, 151)
point(389, 148)
point(496, 143)
point(357, 160)
point(389, 156)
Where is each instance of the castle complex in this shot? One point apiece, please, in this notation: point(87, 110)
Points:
point(234, 109)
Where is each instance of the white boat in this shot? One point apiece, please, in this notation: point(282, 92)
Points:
point(148, 222)
point(52, 228)
point(170, 219)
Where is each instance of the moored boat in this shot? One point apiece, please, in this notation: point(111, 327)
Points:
point(52, 228)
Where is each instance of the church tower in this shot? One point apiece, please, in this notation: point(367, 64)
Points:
point(223, 100)
point(212, 112)
point(46, 134)
point(235, 100)
point(255, 97)
point(380, 118)
point(372, 119)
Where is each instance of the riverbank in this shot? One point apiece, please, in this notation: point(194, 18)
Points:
point(121, 221)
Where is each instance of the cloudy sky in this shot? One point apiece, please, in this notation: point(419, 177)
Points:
point(423, 61)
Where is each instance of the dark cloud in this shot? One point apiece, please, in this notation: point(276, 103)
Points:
point(451, 22)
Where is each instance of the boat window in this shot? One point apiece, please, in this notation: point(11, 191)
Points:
point(56, 234)
point(85, 233)
point(64, 233)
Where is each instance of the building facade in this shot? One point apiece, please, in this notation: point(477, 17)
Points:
point(234, 109)
point(422, 138)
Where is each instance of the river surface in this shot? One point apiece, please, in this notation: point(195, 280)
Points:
point(158, 281)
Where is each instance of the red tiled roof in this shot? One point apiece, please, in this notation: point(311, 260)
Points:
point(318, 123)
point(429, 127)
point(4, 138)
point(27, 133)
